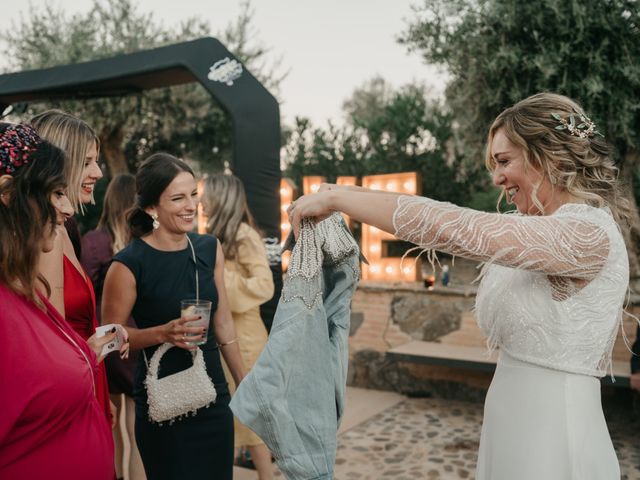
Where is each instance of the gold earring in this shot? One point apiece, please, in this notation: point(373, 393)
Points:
point(156, 223)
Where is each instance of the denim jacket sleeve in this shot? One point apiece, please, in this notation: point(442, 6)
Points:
point(293, 398)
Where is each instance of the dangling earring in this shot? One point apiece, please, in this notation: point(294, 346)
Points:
point(553, 180)
point(156, 223)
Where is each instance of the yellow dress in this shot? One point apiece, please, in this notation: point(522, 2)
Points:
point(249, 284)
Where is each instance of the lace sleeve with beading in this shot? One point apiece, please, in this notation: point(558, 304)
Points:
point(566, 246)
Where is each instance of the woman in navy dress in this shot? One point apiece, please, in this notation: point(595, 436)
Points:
point(148, 279)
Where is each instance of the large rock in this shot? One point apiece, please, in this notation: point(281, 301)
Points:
point(428, 317)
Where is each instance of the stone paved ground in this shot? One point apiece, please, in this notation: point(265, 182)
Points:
point(430, 438)
point(623, 418)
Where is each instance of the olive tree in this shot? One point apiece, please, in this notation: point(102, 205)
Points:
point(501, 51)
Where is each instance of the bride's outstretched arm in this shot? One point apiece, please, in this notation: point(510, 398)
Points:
point(372, 207)
point(562, 245)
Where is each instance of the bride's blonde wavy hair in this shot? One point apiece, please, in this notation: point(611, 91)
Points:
point(581, 166)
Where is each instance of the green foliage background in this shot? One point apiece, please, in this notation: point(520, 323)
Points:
point(385, 131)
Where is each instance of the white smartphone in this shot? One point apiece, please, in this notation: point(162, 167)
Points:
point(114, 345)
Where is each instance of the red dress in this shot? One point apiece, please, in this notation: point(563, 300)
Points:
point(80, 312)
point(51, 426)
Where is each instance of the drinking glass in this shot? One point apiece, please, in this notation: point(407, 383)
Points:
point(197, 307)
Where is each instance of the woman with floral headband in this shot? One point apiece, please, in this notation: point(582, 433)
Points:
point(553, 287)
point(51, 425)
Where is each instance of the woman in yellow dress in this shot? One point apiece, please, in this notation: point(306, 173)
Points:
point(249, 284)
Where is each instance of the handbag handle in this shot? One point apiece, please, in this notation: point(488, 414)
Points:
point(195, 264)
point(154, 365)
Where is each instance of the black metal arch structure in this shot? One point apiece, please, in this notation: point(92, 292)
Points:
point(254, 112)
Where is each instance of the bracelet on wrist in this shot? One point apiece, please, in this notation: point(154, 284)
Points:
point(224, 344)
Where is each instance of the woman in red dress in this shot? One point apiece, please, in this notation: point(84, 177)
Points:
point(51, 424)
point(73, 294)
point(98, 247)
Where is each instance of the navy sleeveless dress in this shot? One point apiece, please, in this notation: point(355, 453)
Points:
point(198, 447)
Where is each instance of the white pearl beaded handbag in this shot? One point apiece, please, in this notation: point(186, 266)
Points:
point(180, 394)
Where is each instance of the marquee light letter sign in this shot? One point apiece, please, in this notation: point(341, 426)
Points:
point(312, 184)
point(382, 267)
point(201, 217)
point(350, 181)
point(287, 193)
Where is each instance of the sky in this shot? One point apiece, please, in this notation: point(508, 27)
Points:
point(329, 47)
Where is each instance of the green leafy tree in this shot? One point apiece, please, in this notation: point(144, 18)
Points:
point(368, 101)
point(386, 131)
point(501, 51)
point(184, 120)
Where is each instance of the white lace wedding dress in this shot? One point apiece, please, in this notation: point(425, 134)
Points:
point(550, 300)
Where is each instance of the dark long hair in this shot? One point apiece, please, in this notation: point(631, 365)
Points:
point(153, 177)
point(28, 216)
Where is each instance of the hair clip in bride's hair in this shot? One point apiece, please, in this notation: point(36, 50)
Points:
point(585, 129)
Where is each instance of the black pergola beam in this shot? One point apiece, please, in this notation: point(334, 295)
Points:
point(254, 112)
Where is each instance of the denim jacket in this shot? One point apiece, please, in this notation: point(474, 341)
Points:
point(293, 398)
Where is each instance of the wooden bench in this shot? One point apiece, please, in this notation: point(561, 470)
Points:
point(476, 358)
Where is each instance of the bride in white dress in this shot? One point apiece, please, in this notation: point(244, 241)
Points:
point(553, 286)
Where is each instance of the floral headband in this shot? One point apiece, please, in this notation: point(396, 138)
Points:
point(585, 129)
point(17, 143)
